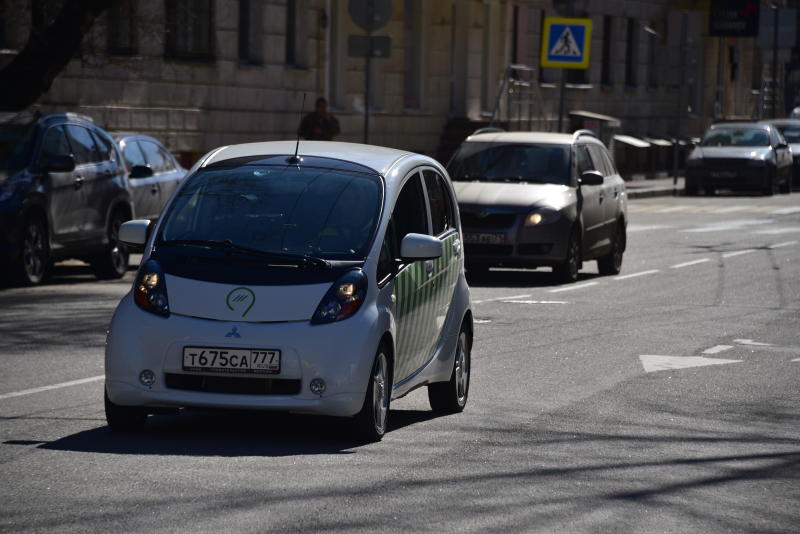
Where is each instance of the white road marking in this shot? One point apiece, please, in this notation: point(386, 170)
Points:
point(778, 231)
point(501, 298)
point(785, 244)
point(717, 349)
point(729, 209)
point(481, 321)
point(653, 363)
point(689, 263)
point(54, 386)
point(738, 253)
point(573, 287)
point(729, 225)
point(785, 211)
point(751, 343)
point(670, 209)
point(534, 301)
point(634, 275)
point(646, 227)
point(796, 360)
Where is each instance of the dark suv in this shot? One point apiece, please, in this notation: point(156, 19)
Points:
point(63, 194)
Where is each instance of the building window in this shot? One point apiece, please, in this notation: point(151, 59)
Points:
point(295, 36)
point(412, 54)
point(631, 45)
point(250, 30)
point(190, 29)
point(606, 73)
point(121, 29)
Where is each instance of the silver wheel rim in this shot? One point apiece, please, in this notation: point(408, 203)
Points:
point(380, 393)
point(462, 369)
point(118, 256)
point(33, 252)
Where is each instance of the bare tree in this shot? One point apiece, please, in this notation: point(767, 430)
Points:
point(57, 29)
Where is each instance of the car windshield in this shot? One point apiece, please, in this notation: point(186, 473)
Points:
point(284, 210)
point(493, 162)
point(791, 133)
point(16, 143)
point(736, 137)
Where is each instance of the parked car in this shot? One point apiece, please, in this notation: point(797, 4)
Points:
point(153, 173)
point(530, 199)
point(330, 283)
point(790, 130)
point(63, 194)
point(740, 156)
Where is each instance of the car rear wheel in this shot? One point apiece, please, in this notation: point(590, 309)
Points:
point(567, 271)
point(786, 186)
point(370, 423)
point(123, 418)
point(34, 259)
point(769, 187)
point(611, 263)
point(451, 396)
point(113, 262)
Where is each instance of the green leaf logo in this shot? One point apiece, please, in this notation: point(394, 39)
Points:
point(240, 298)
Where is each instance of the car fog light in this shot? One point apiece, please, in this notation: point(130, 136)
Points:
point(147, 378)
point(533, 219)
point(317, 386)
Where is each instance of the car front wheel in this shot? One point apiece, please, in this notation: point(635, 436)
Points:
point(451, 396)
point(113, 262)
point(34, 259)
point(123, 418)
point(567, 271)
point(611, 263)
point(370, 423)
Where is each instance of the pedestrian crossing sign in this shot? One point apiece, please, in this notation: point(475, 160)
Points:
point(565, 43)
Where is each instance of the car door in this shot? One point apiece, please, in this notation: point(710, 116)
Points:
point(146, 191)
point(107, 184)
point(591, 202)
point(87, 158)
point(611, 189)
point(412, 288)
point(163, 170)
point(63, 191)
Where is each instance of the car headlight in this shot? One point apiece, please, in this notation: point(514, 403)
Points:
point(150, 289)
point(540, 217)
point(343, 299)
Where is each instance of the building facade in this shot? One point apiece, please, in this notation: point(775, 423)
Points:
point(202, 73)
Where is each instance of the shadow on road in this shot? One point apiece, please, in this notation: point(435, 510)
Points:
point(520, 278)
point(231, 434)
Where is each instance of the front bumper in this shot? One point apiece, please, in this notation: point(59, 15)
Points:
point(742, 177)
point(339, 353)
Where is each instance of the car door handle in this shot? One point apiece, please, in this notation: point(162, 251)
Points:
point(107, 172)
point(78, 182)
point(457, 247)
point(429, 268)
point(154, 190)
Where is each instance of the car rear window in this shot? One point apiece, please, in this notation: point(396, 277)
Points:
point(287, 209)
point(791, 134)
point(493, 162)
point(736, 137)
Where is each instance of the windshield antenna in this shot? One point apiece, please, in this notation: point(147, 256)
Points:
point(295, 160)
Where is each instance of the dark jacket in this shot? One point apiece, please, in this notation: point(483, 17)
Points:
point(315, 127)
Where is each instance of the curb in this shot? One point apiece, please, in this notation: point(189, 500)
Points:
point(661, 192)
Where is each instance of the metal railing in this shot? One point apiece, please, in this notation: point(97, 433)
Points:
point(519, 103)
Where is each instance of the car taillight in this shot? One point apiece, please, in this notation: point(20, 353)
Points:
point(343, 299)
point(150, 289)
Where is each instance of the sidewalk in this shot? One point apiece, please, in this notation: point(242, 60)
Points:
point(660, 187)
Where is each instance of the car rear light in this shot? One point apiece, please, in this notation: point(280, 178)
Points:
point(150, 289)
point(343, 299)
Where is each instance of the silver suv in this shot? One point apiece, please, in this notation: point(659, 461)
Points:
point(530, 199)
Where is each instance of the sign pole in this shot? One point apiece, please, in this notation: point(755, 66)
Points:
point(561, 101)
point(775, 62)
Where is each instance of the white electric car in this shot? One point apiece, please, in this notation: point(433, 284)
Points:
point(326, 283)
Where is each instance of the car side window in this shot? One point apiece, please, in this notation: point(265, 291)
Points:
point(584, 161)
point(83, 146)
point(410, 214)
point(612, 169)
point(104, 146)
point(441, 210)
point(54, 143)
point(597, 157)
point(156, 157)
point(132, 155)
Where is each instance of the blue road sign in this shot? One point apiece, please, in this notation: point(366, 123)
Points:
point(566, 42)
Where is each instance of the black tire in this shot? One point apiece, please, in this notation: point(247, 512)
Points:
point(369, 425)
point(113, 262)
point(123, 418)
point(451, 396)
point(690, 190)
point(33, 263)
point(769, 187)
point(786, 186)
point(567, 271)
point(611, 263)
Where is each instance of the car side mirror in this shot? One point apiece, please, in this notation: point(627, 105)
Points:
point(135, 233)
point(141, 171)
point(62, 163)
point(782, 145)
point(420, 247)
point(591, 178)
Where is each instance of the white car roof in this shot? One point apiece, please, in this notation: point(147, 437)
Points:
point(378, 158)
point(523, 137)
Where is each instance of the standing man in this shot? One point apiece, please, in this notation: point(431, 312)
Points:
point(319, 125)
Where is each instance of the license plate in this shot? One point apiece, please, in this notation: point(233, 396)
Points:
point(723, 174)
point(485, 238)
point(230, 360)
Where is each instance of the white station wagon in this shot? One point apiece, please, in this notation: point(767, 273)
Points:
point(326, 283)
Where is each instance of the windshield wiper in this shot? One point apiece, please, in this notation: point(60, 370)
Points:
point(227, 244)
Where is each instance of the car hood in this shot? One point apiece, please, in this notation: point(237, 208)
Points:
point(505, 194)
point(743, 152)
point(229, 302)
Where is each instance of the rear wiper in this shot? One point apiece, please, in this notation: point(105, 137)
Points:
point(227, 244)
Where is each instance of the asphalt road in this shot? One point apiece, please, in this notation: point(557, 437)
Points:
point(661, 400)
